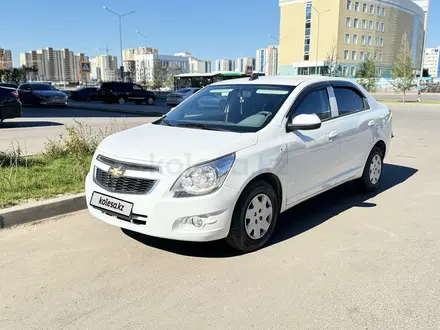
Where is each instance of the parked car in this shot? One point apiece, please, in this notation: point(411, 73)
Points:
point(10, 85)
point(121, 92)
point(85, 94)
point(10, 106)
point(202, 174)
point(37, 94)
point(180, 95)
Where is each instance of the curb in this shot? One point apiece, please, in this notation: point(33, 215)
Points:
point(21, 214)
point(119, 110)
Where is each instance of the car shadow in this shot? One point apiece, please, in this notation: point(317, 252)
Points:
point(293, 222)
point(28, 124)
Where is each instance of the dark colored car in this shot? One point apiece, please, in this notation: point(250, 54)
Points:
point(119, 92)
point(41, 94)
point(10, 106)
point(14, 86)
point(85, 94)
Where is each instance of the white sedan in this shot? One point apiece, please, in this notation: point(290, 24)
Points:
point(205, 172)
point(180, 95)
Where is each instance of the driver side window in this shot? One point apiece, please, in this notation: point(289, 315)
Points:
point(316, 102)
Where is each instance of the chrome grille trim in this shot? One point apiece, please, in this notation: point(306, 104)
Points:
point(126, 165)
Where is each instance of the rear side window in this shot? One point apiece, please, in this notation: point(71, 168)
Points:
point(316, 102)
point(121, 87)
point(349, 101)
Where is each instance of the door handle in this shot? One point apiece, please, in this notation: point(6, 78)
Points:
point(333, 135)
point(371, 123)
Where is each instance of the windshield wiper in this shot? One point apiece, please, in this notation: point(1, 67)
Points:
point(163, 120)
point(201, 126)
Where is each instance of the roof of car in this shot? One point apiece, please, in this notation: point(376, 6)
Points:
point(279, 80)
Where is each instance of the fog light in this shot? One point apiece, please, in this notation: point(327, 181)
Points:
point(196, 221)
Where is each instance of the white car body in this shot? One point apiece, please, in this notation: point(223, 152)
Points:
point(301, 164)
point(180, 95)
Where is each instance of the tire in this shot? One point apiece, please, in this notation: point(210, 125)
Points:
point(240, 234)
point(373, 170)
point(121, 100)
point(149, 100)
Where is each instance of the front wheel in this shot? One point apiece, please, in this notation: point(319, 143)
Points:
point(121, 100)
point(372, 174)
point(254, 217)
point(150, 100)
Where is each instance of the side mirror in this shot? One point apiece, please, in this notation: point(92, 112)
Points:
point(304, 122)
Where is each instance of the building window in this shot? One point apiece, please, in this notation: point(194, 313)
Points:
point(378, 11)
point(364, 24)
point(348, 22)
point(377, 42)
point(370, 40)
point(347, 38)
point(375, 56)
point(372, 9)
point(370, 25)
point(352, 71)
point(364, 8)
point(356, 23)
point(353, 55)
point(381, 42)
point(368, 56)
point(379, 72)
point(356, 6)
point(355, 39)
point(377, 26)
point(363, 40)
point(362, 56)
point(348, 4)
point(346, 55)
point(382, 27)
point(307, 31)
point(383, 11)
point(345, 71)
point(381, 57)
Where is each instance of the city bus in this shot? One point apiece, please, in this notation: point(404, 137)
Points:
point(187, 80)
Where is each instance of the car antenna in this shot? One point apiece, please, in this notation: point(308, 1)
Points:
point(253, 77)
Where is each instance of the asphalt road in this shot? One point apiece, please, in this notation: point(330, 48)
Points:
point(37, 125)
point(339, 261)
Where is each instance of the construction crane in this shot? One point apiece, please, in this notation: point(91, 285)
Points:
point(107, 50)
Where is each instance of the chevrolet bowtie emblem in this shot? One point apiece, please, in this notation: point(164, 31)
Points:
point(116, 171)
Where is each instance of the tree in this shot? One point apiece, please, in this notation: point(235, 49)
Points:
point(367, 75)
point(332, 67)
point(403, 73)
point(159, 74)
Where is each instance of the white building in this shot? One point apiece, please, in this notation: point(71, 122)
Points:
point(196, 65)
point(129, 55)
point(267, 60)
point(224, 65)
point(431, 61)
point(424, 4)
point(242, 62)
point(147, 65)
point(105, 68)
point(5, 59)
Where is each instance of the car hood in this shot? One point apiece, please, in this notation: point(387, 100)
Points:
point(50, 93)
point(158, 144)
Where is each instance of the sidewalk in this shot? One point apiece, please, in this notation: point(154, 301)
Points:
point(145, 110)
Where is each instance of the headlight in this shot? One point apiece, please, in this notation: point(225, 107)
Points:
point(203, 179)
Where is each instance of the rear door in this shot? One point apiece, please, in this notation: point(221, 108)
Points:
point(138, 94)
point(356, 127)
point(25, 93)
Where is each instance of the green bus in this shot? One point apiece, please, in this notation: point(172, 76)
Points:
point(187, 80)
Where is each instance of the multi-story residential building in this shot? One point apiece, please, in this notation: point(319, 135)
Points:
point(424, 4)
point(5, 59)
point(431, 61)
point(352, 29)
point(224, 65)
point(267, 60)
point(54, 65)
point(129, 55)
point(196, 65)
point(148, 65)
point(105, 68)
point(242, 62)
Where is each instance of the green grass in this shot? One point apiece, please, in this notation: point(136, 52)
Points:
point(410, 102)
point(59, 170)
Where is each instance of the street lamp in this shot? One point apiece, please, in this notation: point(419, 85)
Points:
point(317, 39)
point(120, 34)
point(142, 35)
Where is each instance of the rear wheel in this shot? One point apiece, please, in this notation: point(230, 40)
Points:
point(121, 100)
point(254, 217)
point(373, 169)
point(150, 100)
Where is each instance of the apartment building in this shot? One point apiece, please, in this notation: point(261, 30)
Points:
point(5, 59)
point(54, 65)
point(105, 68)
point(196, 65)
point(129, 56)
point(224, 65)
point(353, 29)
point(267, 60)
point(242, 62)
point(170, 64)
point(431, 61)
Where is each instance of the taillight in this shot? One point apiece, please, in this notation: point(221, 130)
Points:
point(15, 94)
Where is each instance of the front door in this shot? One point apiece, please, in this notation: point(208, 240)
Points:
point(313, 155)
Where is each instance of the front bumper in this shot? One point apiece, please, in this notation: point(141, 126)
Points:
point(159, 214)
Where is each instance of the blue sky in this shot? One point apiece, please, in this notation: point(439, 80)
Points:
point(209, 29)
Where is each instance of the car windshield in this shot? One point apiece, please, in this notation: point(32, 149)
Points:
point(43, 87)
point(235, 108)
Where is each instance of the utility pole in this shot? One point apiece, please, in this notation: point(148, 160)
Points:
point(319, 32)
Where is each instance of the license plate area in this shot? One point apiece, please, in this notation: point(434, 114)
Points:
point(112, 206)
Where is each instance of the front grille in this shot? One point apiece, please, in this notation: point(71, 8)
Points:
point(121, 184)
